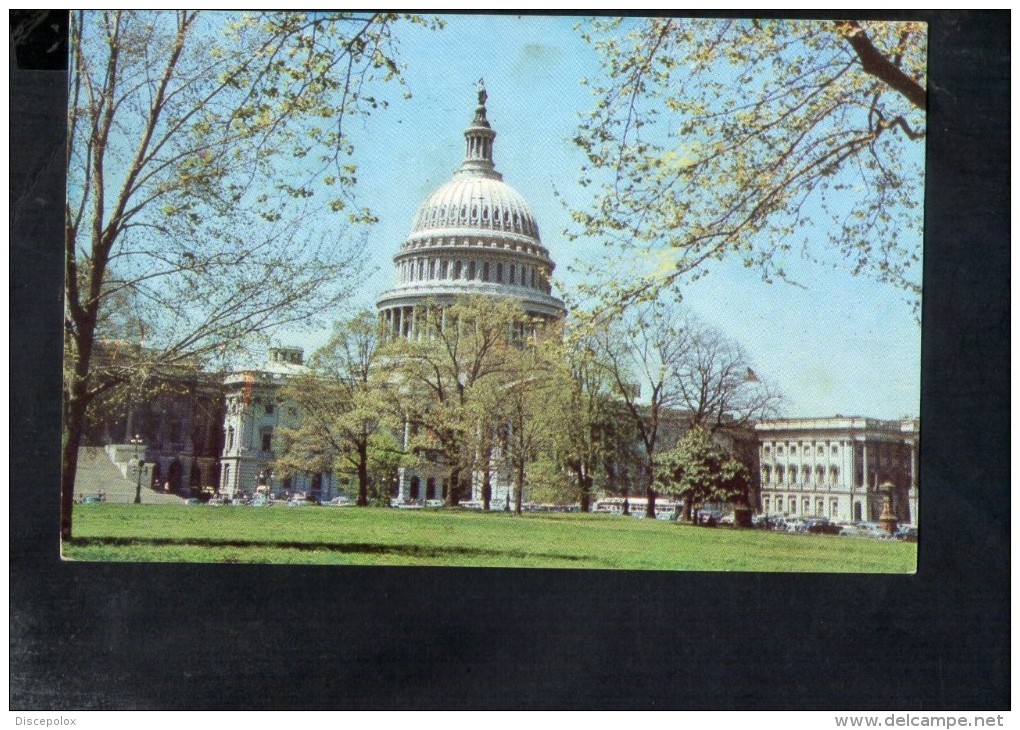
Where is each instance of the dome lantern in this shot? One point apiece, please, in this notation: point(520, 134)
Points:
point(479, 137)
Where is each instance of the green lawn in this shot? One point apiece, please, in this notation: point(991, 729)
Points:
point(352, 536)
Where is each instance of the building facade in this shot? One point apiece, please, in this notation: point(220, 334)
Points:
point(254, 413)
point(835, 467)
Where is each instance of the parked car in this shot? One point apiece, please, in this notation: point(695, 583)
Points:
point(91, 499)
point(192, 500)
point(709, 517)
point(907, 533)
point(822, 526)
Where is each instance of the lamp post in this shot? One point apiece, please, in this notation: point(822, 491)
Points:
point(137, 441)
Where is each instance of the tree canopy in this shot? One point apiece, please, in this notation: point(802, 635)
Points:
point(208, 164)
point(716, 139)
point(698, 470)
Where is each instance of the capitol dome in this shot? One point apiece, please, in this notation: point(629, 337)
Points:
point(474, 235)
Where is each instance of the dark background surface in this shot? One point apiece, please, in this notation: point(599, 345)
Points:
point(155, 636)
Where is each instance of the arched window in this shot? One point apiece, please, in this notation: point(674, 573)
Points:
point(485, 271)
point(499, 273)
point(456, 270)
point(833, 475)
point(512, 272)
point(471, 271)
point(780, 475)
point(432, 269)
point(766, 474)
point(444, 269)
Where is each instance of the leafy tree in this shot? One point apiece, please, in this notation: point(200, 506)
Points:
point(698, 470)
point(342, 406)
point(196, 144)
point(583, 408)
point(641, 351)
point(717, 139)
point(526, 401)
point(446, 377)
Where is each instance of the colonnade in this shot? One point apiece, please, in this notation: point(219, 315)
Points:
point(428, 268)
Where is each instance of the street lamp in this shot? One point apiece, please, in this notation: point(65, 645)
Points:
point(137, 441)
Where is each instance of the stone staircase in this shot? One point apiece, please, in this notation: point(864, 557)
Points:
point(97, 473)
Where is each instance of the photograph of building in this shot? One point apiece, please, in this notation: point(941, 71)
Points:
point(474, 236)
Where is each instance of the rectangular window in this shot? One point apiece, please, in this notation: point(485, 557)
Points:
point(499, 273)
point(443, 269)
point(485, 271)
point(267, 440)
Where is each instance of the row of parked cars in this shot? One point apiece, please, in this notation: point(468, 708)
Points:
point(824, 526)
point(262, 500)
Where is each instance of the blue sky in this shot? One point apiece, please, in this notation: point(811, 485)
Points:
point(842, 345)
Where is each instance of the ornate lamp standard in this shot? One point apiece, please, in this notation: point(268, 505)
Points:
point(137, 441)
point(888, 519)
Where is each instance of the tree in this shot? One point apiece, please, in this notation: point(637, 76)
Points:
point(196, 144)
point(586, 431)
point(721, 139)
point(642, 350)
point(445, 379)
point(526, 401)
point(718, 389)
point(699, 471)
point(342, 406)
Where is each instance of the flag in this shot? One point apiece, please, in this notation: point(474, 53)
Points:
point(752, 377)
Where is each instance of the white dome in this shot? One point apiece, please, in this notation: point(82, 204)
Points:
point(476, 203)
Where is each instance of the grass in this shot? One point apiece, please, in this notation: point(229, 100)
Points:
point(351, 536)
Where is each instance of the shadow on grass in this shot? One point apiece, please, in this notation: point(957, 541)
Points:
point(414, 551)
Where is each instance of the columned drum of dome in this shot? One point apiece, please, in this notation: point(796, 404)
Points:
point(475, 235)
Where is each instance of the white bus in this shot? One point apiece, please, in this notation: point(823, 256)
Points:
point(665, 507)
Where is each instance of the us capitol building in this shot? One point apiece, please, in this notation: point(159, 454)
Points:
point(476, 235)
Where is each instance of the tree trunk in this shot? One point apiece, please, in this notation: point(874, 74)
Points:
point(74, 416)
point(453, 496)
point(76, 403)
point(362, 474)
point(519, 497)
point(585, 481)
point(650, 493)
point(487, 481)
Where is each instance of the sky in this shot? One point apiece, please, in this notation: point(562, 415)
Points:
point(836, 344)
